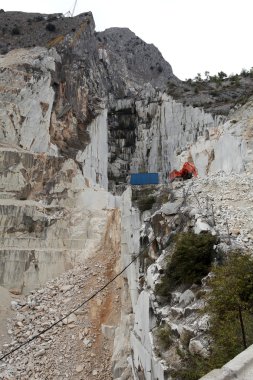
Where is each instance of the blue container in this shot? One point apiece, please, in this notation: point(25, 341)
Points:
point(144, 179)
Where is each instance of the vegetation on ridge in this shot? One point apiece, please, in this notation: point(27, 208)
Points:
point(190, 262)
point(217, 94)
point(228, 297)
point(229, 304)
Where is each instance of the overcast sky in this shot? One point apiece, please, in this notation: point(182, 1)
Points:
point(194, 36)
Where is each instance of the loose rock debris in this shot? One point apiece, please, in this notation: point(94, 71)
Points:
point(76, 347)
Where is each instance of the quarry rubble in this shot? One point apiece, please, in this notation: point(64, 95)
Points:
point(76, 348)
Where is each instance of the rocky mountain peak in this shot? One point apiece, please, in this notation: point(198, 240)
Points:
point(143, 60)
point(25, 30)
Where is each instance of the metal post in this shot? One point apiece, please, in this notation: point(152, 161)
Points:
point(74, 8)
point(242, 328)
point(229, 238)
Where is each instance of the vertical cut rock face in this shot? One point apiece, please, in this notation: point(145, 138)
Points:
point(26, 98)
point(153, 133)
point(51, 214)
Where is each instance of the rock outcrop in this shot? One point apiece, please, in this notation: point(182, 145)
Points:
point(195, 206)
point(26, 99)
point(124, 47)
point(49, 206)
point(153, 133)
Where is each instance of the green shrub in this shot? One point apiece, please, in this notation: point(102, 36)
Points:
point(38, 18)
point(235, 80)
point(146, 203)
point(144, 198)
point(230, 299)
point(15, 31)
point(164, 337)
point(196, 90)
point(192, 258)
point(222, 75)
point(190, 261)
point(192, 367)
point(162, 289)
point(245, 73)
point(50, 27)
point(232, 284)
point(214, 93)
point(231, 294)
point(189, 81)
point(198, 78)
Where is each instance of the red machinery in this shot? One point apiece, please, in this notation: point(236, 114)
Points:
point(188, 170)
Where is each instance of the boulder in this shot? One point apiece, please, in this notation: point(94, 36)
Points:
point(65, 288)
point(171, 208)
point(190, 310)
point(201, 227)
point(176, 311)
point(186, 298)
point(204, 323)
point(152, 275)
point(71, 319)
point(15, 291)
point(79, 368)
point(108, 331)
point(196, 347)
